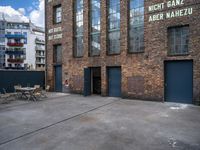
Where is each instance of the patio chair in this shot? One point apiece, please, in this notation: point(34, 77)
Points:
point(38, 93)
point(44, 93)
point(36, 86)
point(16, 88)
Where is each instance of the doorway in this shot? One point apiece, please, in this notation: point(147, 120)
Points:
point(96, 80)
point(92, 81)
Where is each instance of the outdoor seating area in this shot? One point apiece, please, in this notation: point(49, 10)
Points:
point(28, 93)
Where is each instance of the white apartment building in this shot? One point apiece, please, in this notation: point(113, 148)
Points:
point(25, 46)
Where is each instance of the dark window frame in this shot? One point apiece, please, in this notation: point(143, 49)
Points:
point(77, 35)
point(138, 26)
point(92, 33)
point(55, 61)
point(115, 30)
point(174, 52)
point(55, 14)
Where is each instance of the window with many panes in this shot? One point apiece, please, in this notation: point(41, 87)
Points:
point(58, 54)
point(95, 26)
point(178, 40)
point(78, 46)
point(136, 26)
point(57, 14)
point(113, 26)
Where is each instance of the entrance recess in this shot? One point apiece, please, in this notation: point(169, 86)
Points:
point(92, 81)
point(96, 80)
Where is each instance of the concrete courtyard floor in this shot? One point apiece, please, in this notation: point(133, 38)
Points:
point(74, 122)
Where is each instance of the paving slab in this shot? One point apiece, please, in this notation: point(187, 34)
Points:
point(104, 124)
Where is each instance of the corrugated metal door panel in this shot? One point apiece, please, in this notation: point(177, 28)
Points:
point(114, 82)
point(87, 82)
point(179, 81)
point(58, 78)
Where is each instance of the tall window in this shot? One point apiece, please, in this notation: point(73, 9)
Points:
point(57, 14)
point(178, 40)
point(95, 25)
point(78, 47)
point(136, 26)
point(114, 26)
point(58, 54)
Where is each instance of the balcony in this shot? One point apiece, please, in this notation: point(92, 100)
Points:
point(15, 60)
point(15, 52)
point(15, 36)
point(40, 62)
point(40, 55)
point(15, 44)
point(41, 48)
point(39, 41)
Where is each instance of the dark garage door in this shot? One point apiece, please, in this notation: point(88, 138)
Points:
point(114, 82)
point(58, 78)
point(179, 81)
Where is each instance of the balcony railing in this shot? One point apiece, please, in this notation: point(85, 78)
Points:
point(15, 52)
point(39, 55)
point(40, 48)
point(14, 36)
point(40, 62)
point(38, 41)
point(15, 44)
point(15, 60)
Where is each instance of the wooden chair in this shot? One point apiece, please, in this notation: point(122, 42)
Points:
point(16, 88)
point(44, 93)
point(38, 93)
point(37, 86)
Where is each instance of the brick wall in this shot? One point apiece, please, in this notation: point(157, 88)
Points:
point(143, 69)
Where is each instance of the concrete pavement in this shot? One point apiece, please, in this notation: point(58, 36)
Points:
point(99, 123)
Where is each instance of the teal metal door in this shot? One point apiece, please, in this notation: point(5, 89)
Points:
point(179, 81)
point(87, 82)
point(58, 78)
point(114, 82)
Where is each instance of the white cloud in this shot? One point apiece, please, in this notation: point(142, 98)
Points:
point(22, 11)
point(13, 15)
point(37, 15)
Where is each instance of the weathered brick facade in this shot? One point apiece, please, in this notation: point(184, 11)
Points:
point(142, 73)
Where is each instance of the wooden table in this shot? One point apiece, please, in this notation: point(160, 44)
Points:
point(27, 92)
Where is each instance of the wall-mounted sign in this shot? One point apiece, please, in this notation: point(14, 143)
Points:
point(53, 31)
point(57, 36)
point(169, 14)
point(54, 37)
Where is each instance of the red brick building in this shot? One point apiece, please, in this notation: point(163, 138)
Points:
point(126, 48)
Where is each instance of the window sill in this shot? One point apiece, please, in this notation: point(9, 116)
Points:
point(57, 64)
point(94, 55)
point(174, 55)
point(77, 57)
point(56, 23)
point(139, 52)
point(113, 54)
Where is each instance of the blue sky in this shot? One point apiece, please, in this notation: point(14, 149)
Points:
point(16, 4)
point(23, 10)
